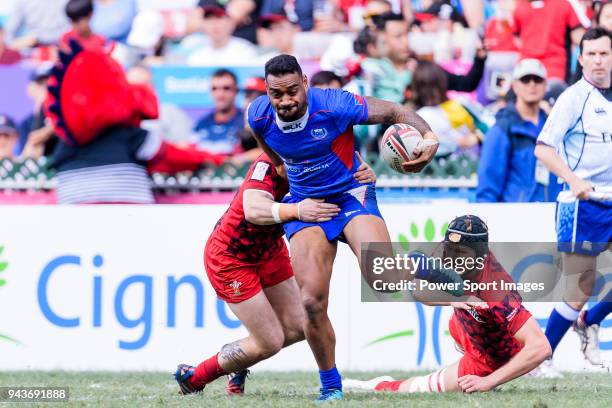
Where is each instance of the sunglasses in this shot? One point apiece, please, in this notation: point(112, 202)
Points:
point(528, 78)
point(223, 88)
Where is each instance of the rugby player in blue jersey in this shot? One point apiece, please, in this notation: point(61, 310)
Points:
point(310, 131)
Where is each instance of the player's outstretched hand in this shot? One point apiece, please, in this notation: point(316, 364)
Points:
point(473, 383)
point(427, 154)
point(311, 210)
point(364, 173)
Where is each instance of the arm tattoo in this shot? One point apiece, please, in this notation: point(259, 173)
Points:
point(389, 113)
point(233, 353)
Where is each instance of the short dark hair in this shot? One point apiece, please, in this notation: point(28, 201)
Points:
point(221, 72)
point(324, 78)
point(364, 38)
point(594, 34)
point(282, 65)
point(381, 21)
point(429, 84)
point(78, 9)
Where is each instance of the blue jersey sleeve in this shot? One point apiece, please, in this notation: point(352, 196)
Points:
point(348, 108)
point(258, 116)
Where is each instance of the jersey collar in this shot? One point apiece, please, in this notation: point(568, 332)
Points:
point(296, 126)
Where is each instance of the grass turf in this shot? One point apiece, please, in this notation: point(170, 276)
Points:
point(299, 389)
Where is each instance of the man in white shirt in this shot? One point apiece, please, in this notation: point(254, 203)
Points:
point(576, 145)
point(222, 48)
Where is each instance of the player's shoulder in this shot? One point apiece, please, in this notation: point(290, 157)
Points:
point(334, 100)
point(576, 93)
point(260, 109)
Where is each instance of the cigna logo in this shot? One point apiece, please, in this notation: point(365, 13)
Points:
point(141, 292)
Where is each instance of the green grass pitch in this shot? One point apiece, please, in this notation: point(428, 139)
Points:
point(299, 389)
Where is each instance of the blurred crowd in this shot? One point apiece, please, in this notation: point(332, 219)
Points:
point(432, 55)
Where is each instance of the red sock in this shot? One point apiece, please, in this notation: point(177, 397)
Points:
point(206, 372)
point(392, 386)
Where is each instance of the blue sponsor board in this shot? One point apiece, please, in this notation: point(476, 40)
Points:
point(190, 86)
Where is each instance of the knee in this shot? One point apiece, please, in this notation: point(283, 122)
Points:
point(293, 335)
point(272, 344)
point(315, 305)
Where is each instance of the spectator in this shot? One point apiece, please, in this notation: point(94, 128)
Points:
point(508, 169)
point(7, 55)
point(79, 13)
point(36, 137)
point(604, 16)
point(276, 32)
point(298, 12)
point(245, 14)
point(253, 88)
point(223, 48)
point(146, 37)
point(9, 137)
point(449, 120)
point(499, 29)
point(366, 43)
point(389, 74)
point(113, 18)
point(541, 27)
point(173, 124)
point(218, 131)
point(326, 80)
point(37, 23)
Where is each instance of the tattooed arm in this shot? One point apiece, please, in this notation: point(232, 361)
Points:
point(389, 113)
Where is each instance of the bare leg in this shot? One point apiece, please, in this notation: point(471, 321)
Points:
point(265, 334)
point(312, 257)
point(285, 300)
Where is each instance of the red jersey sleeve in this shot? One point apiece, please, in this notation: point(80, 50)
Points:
point(261, 176)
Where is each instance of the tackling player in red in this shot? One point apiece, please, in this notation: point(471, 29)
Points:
point(248, 265)
point(499, 338)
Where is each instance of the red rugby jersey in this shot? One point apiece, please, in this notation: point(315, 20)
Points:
point(488, 334)
point(243, 240)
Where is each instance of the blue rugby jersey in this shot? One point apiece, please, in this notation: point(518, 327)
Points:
point(319, 148)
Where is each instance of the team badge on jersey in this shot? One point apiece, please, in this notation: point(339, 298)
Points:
point(318, 134)
point(236, 286)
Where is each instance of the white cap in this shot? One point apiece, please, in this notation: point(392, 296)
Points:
point(147, 29)
point(529, 66)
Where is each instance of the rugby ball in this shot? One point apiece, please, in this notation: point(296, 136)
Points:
point(400, 143)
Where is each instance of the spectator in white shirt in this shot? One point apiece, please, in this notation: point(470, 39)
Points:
point(222, 48)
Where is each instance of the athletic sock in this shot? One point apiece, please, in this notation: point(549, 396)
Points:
point(206, 372)
point(330, 379)
point(598, 313)
point(560, 320)
point(392, 386)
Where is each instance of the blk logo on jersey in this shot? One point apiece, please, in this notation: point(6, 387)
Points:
point(318, 134)
point(600, 111)
point(293, 127)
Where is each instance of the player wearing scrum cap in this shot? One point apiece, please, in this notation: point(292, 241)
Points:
point(500, 339)
point(576, 145)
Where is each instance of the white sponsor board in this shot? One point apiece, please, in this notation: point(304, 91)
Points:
point(123, 288)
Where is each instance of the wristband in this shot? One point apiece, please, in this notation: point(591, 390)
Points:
point(298, 211)
point(276, 212)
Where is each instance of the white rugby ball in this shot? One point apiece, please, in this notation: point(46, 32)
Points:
point(401, 143)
